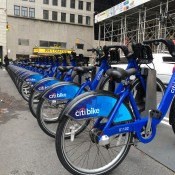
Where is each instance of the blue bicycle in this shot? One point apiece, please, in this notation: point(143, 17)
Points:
point(97, 129)
point(57, 96)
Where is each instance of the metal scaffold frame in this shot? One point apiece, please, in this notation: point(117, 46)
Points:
point(150, 21)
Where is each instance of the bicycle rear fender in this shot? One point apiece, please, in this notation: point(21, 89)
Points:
point(61, 90)
point(43, 84)
point(96, 104)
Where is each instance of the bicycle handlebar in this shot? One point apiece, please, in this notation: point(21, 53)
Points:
point(124, 48)
point(170, 45)
point(93, 50)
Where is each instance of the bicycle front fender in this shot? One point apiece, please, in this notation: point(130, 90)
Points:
point(33, 78)
point(61, 91)
point(94, 105)
point(44, 84)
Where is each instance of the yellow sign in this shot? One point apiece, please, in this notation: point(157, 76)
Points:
point(50, 51)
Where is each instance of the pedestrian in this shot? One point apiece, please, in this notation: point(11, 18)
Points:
point(6, 61)
point(0, 62)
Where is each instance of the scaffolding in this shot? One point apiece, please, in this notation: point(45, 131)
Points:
point(154, 19)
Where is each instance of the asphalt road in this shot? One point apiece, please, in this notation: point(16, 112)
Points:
point(26, 150)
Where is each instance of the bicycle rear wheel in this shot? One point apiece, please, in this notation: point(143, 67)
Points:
point(84, 156)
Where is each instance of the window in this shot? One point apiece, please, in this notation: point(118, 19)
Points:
point(72, 18)
point(31, 0)
point(45, 14)
point(80, 19)
point(17, 10)
point(63, 17)
point(80, 46)
point(54, 16)
point(45, 1)
point(31, 12)
point(72, 4)
point(55, 2)
point(88, 6)
point(44, 44)
point(88, 20)
point(24, 11)
point(80, 5)
point(63, 3)
point(52, 44)
point(23, 42)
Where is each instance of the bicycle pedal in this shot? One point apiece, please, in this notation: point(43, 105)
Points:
point(155, 114)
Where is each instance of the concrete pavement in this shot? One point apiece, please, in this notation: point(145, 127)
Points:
point(26, 150)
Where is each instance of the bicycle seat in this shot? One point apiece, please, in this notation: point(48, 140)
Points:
point(83, 69)
point(64, 68)
point(119, 74)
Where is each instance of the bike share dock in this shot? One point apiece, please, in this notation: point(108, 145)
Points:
point(26, 150)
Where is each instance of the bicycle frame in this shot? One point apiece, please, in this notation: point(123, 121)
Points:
point(137, 125)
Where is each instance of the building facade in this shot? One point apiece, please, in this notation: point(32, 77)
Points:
point(55, 24)
point(3, 22)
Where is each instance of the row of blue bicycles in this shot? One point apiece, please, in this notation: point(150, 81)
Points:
point(95, 113)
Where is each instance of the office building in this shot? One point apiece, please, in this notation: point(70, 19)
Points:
point(32, 27)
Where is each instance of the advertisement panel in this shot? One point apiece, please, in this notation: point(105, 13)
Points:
point(118, 9)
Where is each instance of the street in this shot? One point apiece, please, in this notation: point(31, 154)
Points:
point(26, 150)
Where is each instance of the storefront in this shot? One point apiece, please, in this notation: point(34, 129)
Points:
point(49, 51)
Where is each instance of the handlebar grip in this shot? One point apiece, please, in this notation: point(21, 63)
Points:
point(89, 50)
point(123, 47)
point(170, 45)
point(92, 50)
point(153, 41)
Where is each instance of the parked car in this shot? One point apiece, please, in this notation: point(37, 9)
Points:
point(163, 63)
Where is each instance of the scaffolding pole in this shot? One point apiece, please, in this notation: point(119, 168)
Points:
point(149, 22)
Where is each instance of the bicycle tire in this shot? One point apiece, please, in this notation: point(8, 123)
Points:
point(62, 154)
point(22, 88)
point(48, 123)
point(33, 104)
point(173, 125)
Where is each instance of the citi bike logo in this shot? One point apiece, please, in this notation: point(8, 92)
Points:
point(56, 95)
point(173, 88)
point(30, 79)
point(86, 111)
point(100, 74)
point(41, 88)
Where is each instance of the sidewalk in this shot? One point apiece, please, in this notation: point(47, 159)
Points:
point(26, 150)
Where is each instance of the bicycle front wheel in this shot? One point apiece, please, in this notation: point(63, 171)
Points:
point(25, 90)
point(48, 115)
point(84, 156)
